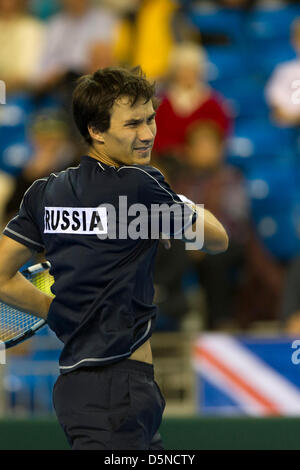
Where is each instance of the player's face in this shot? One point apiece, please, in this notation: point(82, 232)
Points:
point(130, 138)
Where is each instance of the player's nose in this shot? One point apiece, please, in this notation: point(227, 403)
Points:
point(146, 134)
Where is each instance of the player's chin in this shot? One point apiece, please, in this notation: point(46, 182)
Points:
point(142, 158)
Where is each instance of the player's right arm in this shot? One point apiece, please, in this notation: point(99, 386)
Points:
point(192, 224)
point(22, 237)
point(15, 290)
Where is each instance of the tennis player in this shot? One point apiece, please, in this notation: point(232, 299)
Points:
point(105, 396)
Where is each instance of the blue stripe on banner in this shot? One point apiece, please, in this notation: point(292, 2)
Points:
point(213, 400)
point(277, 353)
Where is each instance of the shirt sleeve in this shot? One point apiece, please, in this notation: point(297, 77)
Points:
point(23, 228)
point(167, 213)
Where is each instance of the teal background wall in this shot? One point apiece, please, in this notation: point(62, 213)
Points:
point(178, 433)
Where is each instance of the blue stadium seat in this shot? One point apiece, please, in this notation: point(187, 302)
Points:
point(245, 96)
point(40, 388)
point(272, 187)
point(273, 192)
point(14, 149)
point(214, 20)
point(258, 140)
point(14, 157)
point(271, 22)
point(29, 385)
point(12, 124)
point(297, 175)
point(280, 233)
point(225, 63)
point(21, 100)
point(268, 55)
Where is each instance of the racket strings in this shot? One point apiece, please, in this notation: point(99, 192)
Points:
point(12, 321)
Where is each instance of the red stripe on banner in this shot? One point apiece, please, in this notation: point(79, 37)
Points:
point(270, 408)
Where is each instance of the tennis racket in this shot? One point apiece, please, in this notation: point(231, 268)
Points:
point(17, 326)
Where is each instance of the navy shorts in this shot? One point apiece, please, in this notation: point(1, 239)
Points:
point(114, 407)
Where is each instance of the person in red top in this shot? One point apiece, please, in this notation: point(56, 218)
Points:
point(188, 98)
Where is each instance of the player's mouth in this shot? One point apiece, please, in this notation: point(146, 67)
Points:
point(143, 149)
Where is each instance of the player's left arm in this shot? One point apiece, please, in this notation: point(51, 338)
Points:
point(15, 290)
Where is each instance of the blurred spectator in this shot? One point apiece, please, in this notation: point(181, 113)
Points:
point(52, 150)
point(262, 289)
point(206, 179)
point(138, 42)
point(244, 284)
point(290, 304)
point(21, 37)
point(282, 90)
point(78, 40)
point(152, 44)
point(187, 99)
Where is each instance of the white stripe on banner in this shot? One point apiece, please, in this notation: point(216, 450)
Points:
point(243, 375)
point(249, 405)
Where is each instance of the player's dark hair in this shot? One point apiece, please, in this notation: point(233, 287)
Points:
point(95, 94)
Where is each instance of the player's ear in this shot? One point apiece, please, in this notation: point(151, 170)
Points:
point(96, 135)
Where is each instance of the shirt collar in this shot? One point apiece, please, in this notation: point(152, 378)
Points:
point(88, 159)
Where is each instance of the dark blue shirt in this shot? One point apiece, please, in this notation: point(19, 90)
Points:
point(103, 307)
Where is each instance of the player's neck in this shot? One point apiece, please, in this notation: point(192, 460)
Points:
point(102, 157)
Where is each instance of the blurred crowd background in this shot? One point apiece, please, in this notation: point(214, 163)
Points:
point(228, 81)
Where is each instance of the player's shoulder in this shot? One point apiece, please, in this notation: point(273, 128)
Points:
point(48, 181)
point(35, 187)
point(61, 176)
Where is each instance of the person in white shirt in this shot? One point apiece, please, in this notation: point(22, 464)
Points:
point(73, 38)
point(283, 88)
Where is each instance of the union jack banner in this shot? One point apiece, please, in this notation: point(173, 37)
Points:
point(246, 376)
